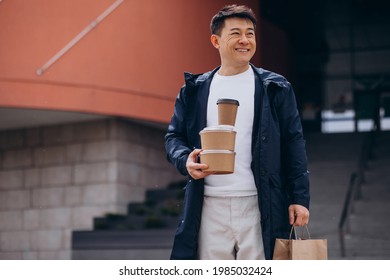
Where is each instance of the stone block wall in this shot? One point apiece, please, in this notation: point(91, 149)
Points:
point(56, 179)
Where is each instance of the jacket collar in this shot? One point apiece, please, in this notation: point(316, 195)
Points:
point(196, 79)
point(264, 76)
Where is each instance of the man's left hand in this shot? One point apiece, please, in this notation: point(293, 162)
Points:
point(299, 215)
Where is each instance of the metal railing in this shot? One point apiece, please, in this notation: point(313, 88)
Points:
point(354, 191)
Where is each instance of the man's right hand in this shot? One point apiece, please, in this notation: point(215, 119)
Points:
point(194, 168)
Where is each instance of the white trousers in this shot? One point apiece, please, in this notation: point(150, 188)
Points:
point(230, 229)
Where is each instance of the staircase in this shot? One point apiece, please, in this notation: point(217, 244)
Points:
point(160, 210)
point(145, 232)
point(369, 236)
point(332, 158)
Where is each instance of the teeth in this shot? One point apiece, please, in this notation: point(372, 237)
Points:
point(241, 50)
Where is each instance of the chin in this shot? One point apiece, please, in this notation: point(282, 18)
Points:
point(243, 62)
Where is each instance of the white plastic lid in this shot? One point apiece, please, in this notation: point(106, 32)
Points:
point(216, 152)
point(223, 127)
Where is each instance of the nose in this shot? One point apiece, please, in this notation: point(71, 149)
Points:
point(244, 40)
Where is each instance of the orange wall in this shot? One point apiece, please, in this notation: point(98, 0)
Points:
point(130, 65)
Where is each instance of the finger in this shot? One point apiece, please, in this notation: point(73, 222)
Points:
point(195, 153)
point(291, 214)
point(198, 174)
point(305, 220)
point(196, 170)
point(299, 221)
point(197, 166)
point(192, 162)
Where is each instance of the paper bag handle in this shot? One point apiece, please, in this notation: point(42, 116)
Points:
point(295, 232)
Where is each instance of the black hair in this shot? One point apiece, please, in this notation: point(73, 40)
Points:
point(230, 11)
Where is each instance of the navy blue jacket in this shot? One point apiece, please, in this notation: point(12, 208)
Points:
point(279, 162)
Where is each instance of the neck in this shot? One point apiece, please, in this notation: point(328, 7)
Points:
point(232, 70)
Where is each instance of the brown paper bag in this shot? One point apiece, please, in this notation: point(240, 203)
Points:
point(300, 249)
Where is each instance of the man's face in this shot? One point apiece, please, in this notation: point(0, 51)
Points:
point(237, 42)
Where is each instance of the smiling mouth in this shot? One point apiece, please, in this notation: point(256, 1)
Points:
point(242, 50)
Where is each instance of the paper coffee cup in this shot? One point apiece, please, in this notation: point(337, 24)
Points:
point(227, 111)
point(219, 161)
point(218, 138)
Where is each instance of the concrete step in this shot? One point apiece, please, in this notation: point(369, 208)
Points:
point(123, 239)
point(371, 219)
point(370, 227)
point(363, 247)
point(372, 209)
point(379, 165)
point(376, 193)
point(156, 195)
point(122, 245)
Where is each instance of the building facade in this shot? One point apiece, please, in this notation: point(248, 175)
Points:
point(86, 91)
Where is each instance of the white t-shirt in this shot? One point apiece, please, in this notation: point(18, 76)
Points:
point(242, 88)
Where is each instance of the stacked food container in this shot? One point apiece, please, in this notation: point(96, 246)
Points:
point(218, 142)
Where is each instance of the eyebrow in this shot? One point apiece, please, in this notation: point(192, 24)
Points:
point(238, 29)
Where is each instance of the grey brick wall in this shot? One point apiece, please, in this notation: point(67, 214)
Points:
point(56, 179)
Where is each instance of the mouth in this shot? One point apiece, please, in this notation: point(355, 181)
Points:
point(242, 50)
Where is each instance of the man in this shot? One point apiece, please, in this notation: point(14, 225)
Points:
point(238, 216)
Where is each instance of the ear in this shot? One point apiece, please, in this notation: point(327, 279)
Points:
point(215, 41)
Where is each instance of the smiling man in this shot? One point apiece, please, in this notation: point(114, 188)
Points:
point(236, 42)
point(239, 215)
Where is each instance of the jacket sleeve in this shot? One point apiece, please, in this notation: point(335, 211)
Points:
point(176, 142)
point(293, 151)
